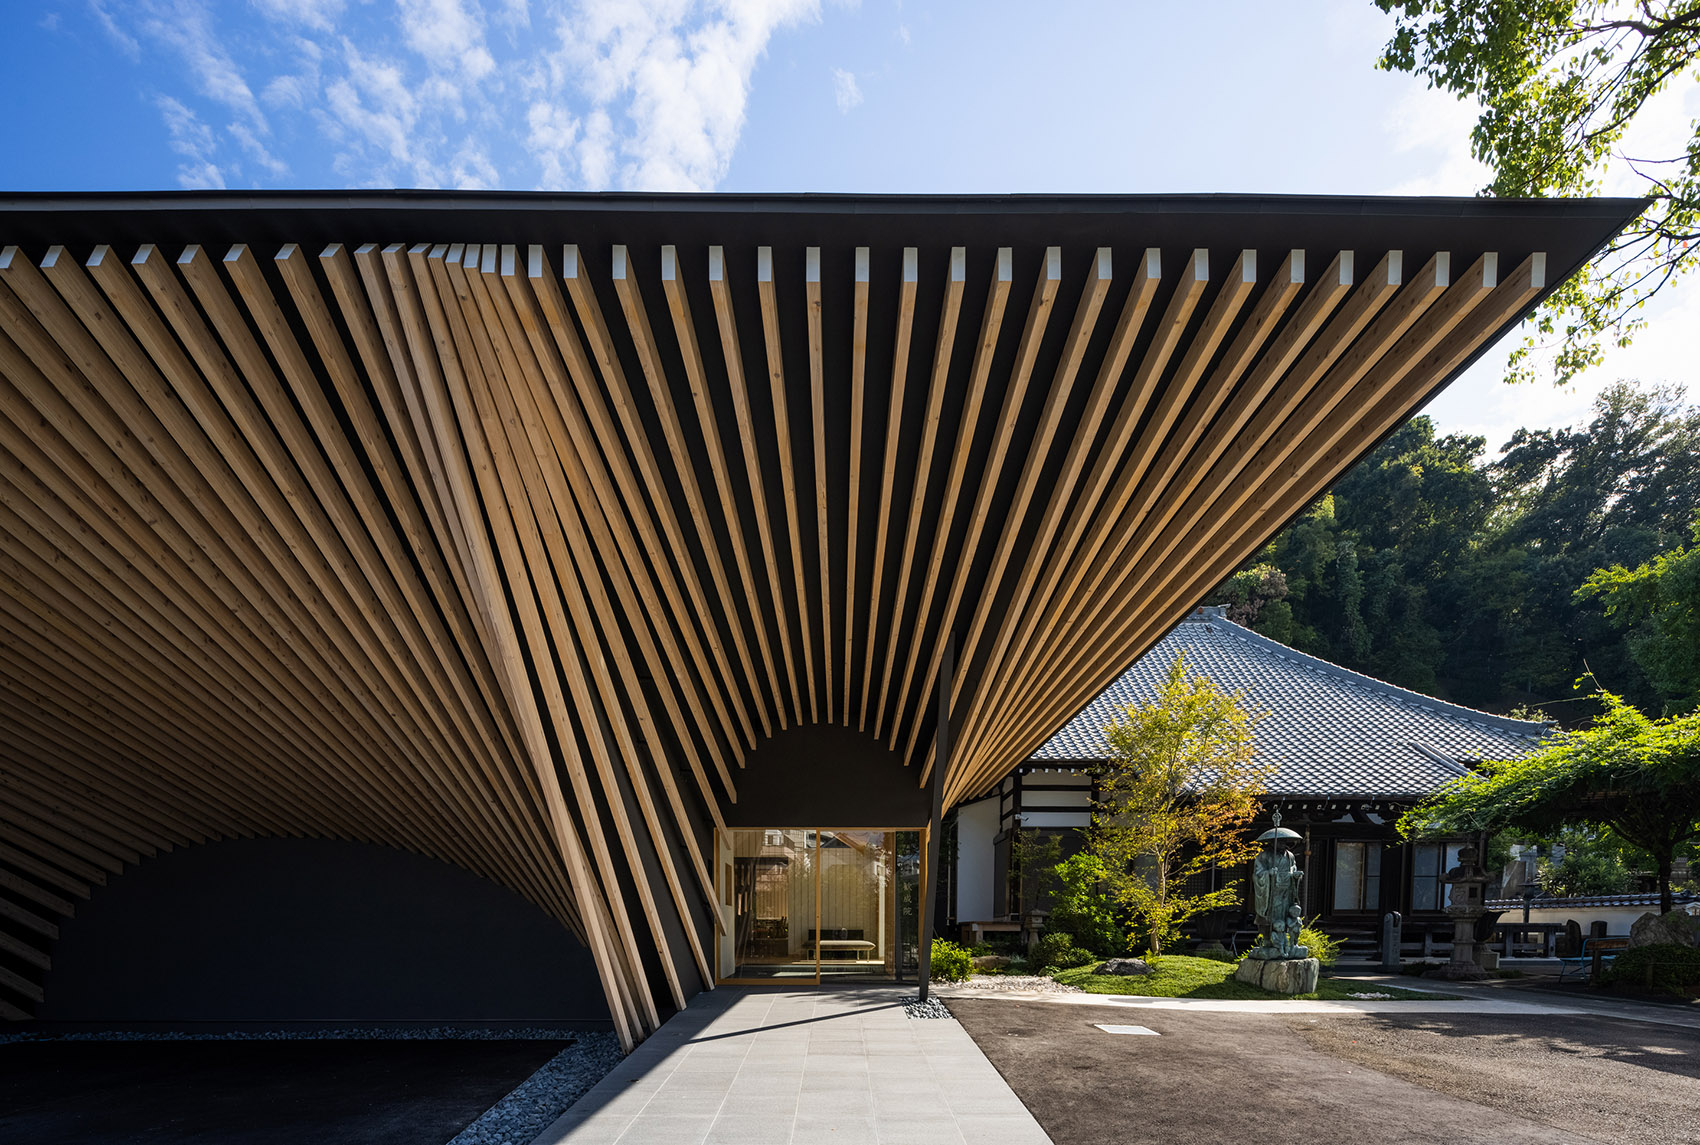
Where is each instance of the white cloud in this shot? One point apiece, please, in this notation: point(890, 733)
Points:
point(194, 141)
point(845, 91)
point(319, 15)
point(671, 79)
point(126, 42)
point(554, 131)
point(644, 94)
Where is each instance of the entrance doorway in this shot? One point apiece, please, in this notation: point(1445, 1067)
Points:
point(800, 905)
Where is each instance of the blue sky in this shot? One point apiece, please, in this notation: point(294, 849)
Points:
point(763, 95)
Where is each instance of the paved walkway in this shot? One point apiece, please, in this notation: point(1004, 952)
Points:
point(774, 1066)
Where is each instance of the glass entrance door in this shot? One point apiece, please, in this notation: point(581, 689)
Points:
point(803, 904)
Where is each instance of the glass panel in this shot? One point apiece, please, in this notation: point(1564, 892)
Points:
point(1425, 877)
point(858, 900)
point(772, 904)
point(1372, 876)
point(1348, 876)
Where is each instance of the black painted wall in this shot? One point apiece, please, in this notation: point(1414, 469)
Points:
point(314, 930)
point(827, 775)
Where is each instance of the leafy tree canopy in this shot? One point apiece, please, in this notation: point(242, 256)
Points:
point(1559, 83)
point(1637, 777)
point(1175, 798)
point(1430, 566)
point(1659, 602)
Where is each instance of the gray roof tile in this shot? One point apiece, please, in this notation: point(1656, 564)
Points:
point(1329, 730)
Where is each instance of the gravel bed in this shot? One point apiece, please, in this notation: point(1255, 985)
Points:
point(931, 1008)
point(519, 1117)
point(1010, 983)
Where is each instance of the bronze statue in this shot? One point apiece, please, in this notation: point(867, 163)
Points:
point(1275, 878)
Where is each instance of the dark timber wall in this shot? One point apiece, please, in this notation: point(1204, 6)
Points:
point(825, 775)
point(313, 930)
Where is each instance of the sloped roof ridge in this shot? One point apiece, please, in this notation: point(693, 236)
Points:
point(1216, 618)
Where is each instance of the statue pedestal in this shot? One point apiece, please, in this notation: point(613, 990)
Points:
point(1280, 975)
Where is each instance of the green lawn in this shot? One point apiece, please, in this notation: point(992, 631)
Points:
point(1179, 976)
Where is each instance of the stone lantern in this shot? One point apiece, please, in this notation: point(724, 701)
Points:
point(1465, 904)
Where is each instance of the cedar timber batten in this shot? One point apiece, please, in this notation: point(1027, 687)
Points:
point(447, 546)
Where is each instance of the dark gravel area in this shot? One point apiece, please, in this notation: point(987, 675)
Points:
point(1612, 1079)
point(60, 1092)
point(1228, 1079)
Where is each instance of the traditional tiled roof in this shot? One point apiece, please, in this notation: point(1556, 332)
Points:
point(1328, 732)
point(1597, 902)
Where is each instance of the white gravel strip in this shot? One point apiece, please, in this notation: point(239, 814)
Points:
point(1008, 984)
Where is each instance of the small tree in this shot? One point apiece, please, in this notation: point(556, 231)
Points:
point(1175, 799)
point(1636, 777)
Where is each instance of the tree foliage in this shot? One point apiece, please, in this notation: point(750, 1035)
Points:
point(1659, 603)
point(1637, 777)
point(1559, 83)
point(1175, 799)
point(1462, 575)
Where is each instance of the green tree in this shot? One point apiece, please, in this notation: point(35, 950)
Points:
point(1175, 799)
point(1659, 603)
point(1636, 777)
point(1559, 82)
point(1592, 864)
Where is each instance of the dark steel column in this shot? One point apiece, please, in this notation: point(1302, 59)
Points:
point(935, 824)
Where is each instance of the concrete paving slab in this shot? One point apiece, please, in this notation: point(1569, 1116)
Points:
point(799, 1067)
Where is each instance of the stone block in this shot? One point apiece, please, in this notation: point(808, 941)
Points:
point(1280, 975)
point(1678, 927)
point(1126, 967)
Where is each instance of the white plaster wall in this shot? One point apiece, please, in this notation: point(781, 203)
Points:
point(976, 827)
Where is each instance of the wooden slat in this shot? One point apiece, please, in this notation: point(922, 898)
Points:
point(985, 346)
point(685, 333)
point(858, 383)
point(944, 347)
point(817, 408)
point(1027, 351)
point(613, 374)
point(1420, 313)
point(768, 294)
point(726, 319)
point(907, 287)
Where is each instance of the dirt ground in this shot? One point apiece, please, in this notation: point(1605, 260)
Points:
point(1415, 1079)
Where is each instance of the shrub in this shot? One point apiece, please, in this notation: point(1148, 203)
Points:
point(950, 963)
point(1057, 949)
point(1081, 908)
point(1324, 949)
point(1663, 967)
